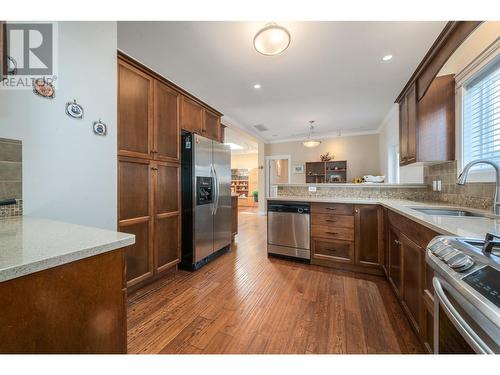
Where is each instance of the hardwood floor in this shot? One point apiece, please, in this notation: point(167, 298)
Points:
point(245, 302)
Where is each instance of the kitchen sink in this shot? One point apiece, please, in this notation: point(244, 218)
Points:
point(447, 212)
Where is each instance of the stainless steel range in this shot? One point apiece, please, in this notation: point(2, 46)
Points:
point(466, 294)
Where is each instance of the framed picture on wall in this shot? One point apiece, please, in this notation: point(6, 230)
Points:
point(298, 168)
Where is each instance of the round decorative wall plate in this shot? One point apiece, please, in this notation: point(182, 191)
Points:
point(100, 128)
point(74, 110)
point(43, 88)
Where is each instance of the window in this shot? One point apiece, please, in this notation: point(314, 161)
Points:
point(481, 115)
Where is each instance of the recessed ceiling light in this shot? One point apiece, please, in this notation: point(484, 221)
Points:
point(387, 57)
point(272, 39)
point(257, 86)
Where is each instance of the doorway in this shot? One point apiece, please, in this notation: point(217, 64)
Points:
point(277, 172)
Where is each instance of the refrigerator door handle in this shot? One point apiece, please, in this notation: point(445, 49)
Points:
point(217, 190)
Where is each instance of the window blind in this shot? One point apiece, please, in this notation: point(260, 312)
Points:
point(481, 115)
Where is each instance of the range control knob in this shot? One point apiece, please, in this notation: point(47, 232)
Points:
point(461, 264)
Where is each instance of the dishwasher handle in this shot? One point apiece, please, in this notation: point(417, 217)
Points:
point(294, 208)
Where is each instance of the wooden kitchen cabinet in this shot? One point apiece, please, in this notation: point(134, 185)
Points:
point(412, 296)
point(347, 236)
point(191, 116)
point(135, 111)
point(166, 123)
point(134, 216)
point(409, 274)
point(74, 308)
point(395, 261)
point(167, 206)
point(408, 128)
point(211, 125)
point(369, 235)
point(151, 113)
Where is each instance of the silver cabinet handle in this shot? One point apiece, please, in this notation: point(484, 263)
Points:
point(471, 337)
point(397, 242)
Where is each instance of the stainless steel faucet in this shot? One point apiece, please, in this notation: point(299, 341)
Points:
point(463, 178)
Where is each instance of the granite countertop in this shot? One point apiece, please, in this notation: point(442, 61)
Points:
point(29, 245)
point(475, 227)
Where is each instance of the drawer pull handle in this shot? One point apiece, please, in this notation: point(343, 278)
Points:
point(331, 250)
point(332, 233)
point(330, 208)
point(331, 221)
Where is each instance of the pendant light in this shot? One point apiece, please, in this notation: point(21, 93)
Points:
point(272, 39)
point(310, 143)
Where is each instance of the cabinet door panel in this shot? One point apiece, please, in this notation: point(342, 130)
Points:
point(166, 121)
point(412, 280)
point(395, 261)
point(211, 125)
point(134, 188)
point(167, 215)
point(167, 188)
point(403, 131)
point(412, 125)
point(135, 95)
point(167, 241)
point(191, 116)
point(139, 257)
point(368, 224)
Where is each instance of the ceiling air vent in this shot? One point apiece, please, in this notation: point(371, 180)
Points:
point(261, 128)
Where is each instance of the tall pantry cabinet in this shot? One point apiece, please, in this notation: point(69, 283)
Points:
point(151, 113)
point(148, 172)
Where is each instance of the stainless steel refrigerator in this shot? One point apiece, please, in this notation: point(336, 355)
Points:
point(206, 200)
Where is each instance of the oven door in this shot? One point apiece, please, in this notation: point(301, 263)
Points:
point(459, 328)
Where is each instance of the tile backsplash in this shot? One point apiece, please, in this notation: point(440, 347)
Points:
point(11, 176)
point(472, 194)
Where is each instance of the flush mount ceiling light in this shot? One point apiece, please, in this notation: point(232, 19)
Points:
point(272, 39)
point(310, 143)
point(257, 86)
point(386, 57)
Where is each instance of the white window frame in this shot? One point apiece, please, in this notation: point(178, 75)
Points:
point(481, 62)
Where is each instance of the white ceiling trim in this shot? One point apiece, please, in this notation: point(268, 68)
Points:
point(327, 136)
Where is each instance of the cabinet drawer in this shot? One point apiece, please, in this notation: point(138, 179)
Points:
point(332, 232)
point(336, 250)
point(332, 208)
point(334, 221)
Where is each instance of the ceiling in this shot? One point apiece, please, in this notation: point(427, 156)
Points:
point(237, 137)
point(332, 72)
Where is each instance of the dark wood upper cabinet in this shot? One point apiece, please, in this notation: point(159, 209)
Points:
point(368, 226)
point(135, 111)
point(211, 125)
point(408, 128)
point(436, 121)
point(191, 116)
point(166, 123)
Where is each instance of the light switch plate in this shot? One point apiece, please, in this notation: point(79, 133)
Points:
point(434, 185)
point(312, 189)
point(439, 185)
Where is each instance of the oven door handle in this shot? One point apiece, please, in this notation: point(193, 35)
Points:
point(469, 335)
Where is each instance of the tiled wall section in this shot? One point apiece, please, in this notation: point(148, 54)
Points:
point(11, 176)
point(417, 194)
point(472, 194)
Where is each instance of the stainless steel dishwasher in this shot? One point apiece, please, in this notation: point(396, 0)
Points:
point(288, 229)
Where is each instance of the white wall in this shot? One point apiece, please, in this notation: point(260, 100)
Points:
point(69, 173)
point(360, 151)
